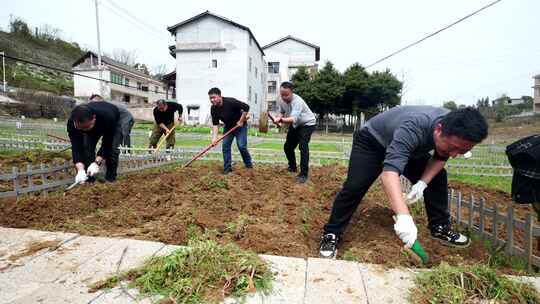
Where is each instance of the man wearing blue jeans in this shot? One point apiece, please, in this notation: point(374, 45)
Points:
point(232, 113)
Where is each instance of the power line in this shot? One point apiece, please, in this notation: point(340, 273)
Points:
point(140, 26)
point(433, 34)
point(74, 73)
point(149, 26)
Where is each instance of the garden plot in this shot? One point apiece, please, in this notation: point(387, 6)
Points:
point(262, 209)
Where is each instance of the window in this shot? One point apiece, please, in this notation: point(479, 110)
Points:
point(193, 113)
point(126, 98)
point(249, 66)
point(255, 98)
point(249, 93)
point(256, 72)
point(155, 89)
point(117, 79)
point(272, 105)
point(272, 86)
point(139, 86)
point(273, 67)
point(214, 63)
point(126, 81)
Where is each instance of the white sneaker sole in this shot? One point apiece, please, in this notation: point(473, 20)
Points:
point(447, 243)
point(332, 257)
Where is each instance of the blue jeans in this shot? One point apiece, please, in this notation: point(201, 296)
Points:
point(241, 142)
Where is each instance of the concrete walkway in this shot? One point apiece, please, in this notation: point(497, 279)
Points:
point(52, 267)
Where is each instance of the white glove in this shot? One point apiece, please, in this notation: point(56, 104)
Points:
point(81, 177)
point(406, 229)
point(417, 192)
point(93, 169)
point(467, 155)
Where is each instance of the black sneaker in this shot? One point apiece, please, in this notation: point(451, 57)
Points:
point(292, 169)
point(328, 246)
point(301, 179)
point(445, 235)
point(226, 172)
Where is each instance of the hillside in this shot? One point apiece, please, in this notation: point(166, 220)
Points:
point(43, 49)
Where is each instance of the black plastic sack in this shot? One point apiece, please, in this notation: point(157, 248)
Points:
point(524, 157)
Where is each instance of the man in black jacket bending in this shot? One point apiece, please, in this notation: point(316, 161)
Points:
point(86, 125)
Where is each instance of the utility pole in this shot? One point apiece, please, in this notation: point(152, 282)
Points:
point(4, 70)
point(99, 51)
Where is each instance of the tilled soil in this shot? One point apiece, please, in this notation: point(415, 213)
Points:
point(23, 158)
point(262, 209)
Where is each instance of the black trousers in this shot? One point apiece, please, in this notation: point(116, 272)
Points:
point(121, 136)
point(299, 136)
point(365, 165)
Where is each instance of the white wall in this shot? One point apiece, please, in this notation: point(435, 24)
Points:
point(536, 94)
point(85, 87)
point(290, 54)
point(195, 75)
point(256, 81)
point(298, 53)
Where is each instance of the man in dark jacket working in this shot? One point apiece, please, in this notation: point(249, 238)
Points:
point(397, 142)
point(86, 125)
point(164, 118)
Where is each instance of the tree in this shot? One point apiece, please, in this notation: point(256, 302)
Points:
point(527, 104)
point(328, 88)
point(48, 32)
point(124, 56)
point(482, 102)
point(303, 84)
point(159, 70)
point(384, 90)
point(450, 105)
point(141, 67)
point(19, 27)
point(356, 82)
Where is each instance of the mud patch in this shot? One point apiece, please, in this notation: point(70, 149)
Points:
point(262, 209)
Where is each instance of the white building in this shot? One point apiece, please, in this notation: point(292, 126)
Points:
point(122, 82)
point(536, 88)
point(213, 51)
point(284, 57)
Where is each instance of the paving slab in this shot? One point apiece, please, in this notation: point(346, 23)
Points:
point(334, 281)
point(21, 245)
point(118, 295)
point(17, 252)
point(63, 274)
point(288, 285)
point(55, 293)
point(51, 266)
point(123, 255)
point(387, 286)
point(534, 281)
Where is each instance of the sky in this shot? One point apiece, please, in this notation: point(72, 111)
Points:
point(494, 52)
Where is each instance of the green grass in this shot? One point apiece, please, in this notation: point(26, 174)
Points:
point(312, 146)
point(503, 183)
point(252, 131)
point(469, 284)
point(192, 142)
point(205, 272)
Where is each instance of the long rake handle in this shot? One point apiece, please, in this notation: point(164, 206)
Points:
point(58, 137)
point(162, 141)
point(273, 120)
point(210, 146)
